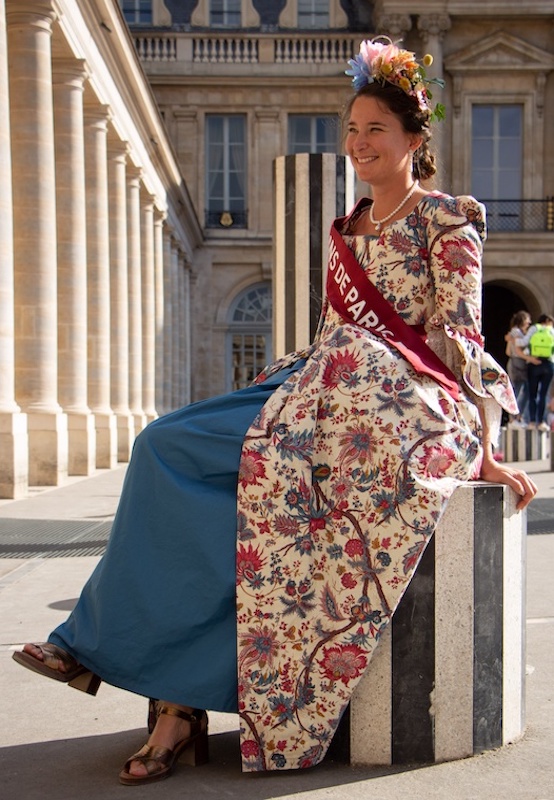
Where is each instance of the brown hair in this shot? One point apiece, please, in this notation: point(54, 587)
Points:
point(520, 318)
point(413, 119)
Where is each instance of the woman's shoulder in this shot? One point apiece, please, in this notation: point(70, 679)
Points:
point(446, 209)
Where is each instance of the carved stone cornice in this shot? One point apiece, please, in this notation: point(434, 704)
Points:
point(394, 25)
point(433, 25)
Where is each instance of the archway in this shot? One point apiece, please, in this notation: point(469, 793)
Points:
point(501, 299)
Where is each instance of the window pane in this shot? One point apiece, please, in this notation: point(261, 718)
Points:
point(483, 121)
point(510, 120)
point(225, 166)
point(225, 13)
point(483, 154)
point(497, 149)
point(482, 185)
point(313, 134)
point(313, 14)
point(137, 12)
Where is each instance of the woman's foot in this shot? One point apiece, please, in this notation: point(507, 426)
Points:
point(179, 730)
point(50, 660)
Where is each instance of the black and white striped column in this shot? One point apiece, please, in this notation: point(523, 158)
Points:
point(447, 679)
point(310, 191)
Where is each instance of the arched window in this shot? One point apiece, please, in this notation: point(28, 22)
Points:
point(249, 335)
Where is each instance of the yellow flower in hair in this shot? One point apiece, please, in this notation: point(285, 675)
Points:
point(386, 69)
point(427, 59)
point(405, 84)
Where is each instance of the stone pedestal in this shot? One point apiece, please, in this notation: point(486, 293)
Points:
point(448, 677)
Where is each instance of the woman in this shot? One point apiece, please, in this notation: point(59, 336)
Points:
point(517, 364)
point(348, 452)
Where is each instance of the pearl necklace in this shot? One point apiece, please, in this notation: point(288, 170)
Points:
point(379, 222)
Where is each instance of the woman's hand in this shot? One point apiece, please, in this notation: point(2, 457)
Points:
point(521, 483)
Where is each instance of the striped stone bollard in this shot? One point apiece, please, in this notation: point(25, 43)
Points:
point(310, 191)
point(447, 679)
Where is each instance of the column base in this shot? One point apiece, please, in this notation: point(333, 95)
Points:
point(14, 456)
point(48, 448)
point(125, 436)
point(82, 443)
point(106, 440)
point(139, 422)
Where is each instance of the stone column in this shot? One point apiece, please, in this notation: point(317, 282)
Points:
point(34, 235)
point(98, 259)
point(148, 308)
point(68, 77)
point(135, 296)
point(159, 309)
point(169, 321)
point(14, 443)
point(432, 29)
point(176, 329)
point(119, 297)
point(186, 363)
point(267, 142)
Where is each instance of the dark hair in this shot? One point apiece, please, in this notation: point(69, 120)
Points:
point(545, 318)
point(413, 119)
point(519, 318)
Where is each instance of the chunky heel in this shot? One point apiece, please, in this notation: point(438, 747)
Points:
point(86, 682)
point(159, 761)
point(197, 753)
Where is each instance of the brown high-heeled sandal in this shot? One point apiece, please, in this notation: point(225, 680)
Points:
point(160, 761)
point(75, 675)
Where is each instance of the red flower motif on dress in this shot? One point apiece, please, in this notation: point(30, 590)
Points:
point(249, 561)
point(250, 748)
point(251, 468)
point(354, 547)
point(458, 256)
point(437, 460)
point(340, 368)
point(343, 662)
point(348, 580)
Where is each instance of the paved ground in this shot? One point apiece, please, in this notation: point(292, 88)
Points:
point(60, 744)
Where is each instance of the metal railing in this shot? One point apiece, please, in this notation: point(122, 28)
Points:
point(516, 216)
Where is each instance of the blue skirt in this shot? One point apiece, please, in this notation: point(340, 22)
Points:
point(157, 616)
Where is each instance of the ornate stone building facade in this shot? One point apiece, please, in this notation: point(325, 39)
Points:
point(98, 238)
point(137, 199)
point(241, 82)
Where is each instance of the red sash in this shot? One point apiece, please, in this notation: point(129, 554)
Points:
point(356, 299)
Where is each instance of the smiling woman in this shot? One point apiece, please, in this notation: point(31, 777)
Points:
point(277, 527)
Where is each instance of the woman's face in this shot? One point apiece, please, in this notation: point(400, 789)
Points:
point(377, 144)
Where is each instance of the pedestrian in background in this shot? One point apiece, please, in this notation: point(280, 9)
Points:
point(540, 341)
point(517, 366)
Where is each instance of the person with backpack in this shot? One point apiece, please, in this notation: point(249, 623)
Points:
point(540, 341)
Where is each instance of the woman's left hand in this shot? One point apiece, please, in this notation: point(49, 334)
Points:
point(521, 483)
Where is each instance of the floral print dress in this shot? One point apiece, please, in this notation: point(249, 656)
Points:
point(344, 475)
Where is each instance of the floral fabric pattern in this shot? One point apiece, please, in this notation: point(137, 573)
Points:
point(344, 475)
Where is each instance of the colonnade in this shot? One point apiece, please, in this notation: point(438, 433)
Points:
point(94, 262)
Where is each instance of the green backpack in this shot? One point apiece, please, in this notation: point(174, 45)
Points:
point(541, 343)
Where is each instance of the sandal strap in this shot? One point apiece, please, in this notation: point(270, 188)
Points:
point(51, 654)
point(173, 711)
point(156, 756)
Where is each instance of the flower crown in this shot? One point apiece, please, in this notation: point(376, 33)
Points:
point(384, 61)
